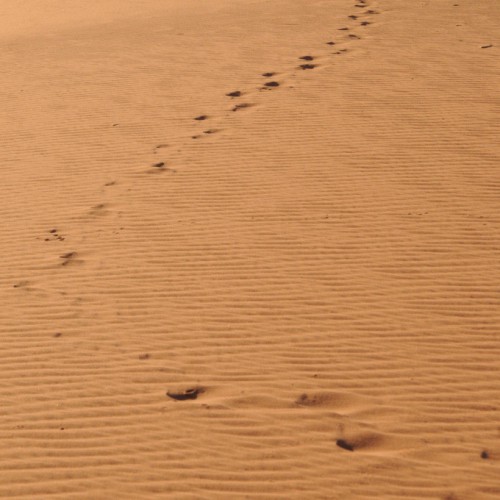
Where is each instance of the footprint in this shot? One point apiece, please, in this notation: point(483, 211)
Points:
point(201, 118)
point(330, 43)
point(365, 23)
point(68, 257)
point(364, 441)
point(268, 75)
point(160, 164)
point(343, 29)
point(486, 46)
point(98, 210)
point(242, 106)
point(356, 37)
point(191, 393)
point(353, 17)
point(210, 131)
point(271, 84)
point(307, 58)
point(236, 93)
point(307, 66)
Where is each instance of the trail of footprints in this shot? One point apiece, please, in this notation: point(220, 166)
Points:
point(271, 82)
point(307, 62)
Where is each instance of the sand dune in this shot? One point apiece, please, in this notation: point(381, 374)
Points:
point(250, 249)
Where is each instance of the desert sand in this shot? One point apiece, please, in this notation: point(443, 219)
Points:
point(250, 249)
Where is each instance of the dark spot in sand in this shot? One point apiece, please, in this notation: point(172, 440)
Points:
point(486, 46)
point(58, 334)
point(53, 231)
point(353, 17)
point(160, 164)
point(236, 93)
point(307, 66)
point(271, 84)
point(191, 393)
point(201, 118)
point(343, 29)
point(342, 443)
point(365, 23)
point(307, 58)
point(143, 356)
point(268, 75)
point(485, 455)
point(354, 36)
point(330, 43)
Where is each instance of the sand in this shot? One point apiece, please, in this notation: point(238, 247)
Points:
point(296, 296)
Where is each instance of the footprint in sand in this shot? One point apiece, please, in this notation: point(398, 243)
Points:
point(68, 257)
point(307, 66)
point(236, 93)
point(201, 118)
point(271, 84)
point(191, 393)
point(242, 106)
point(268, 75)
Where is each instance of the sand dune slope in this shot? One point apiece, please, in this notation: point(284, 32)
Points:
point(250, 249)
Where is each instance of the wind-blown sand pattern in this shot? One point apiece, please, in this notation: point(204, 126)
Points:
point(219, 284)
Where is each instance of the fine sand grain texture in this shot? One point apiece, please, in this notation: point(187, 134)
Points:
point(250, 249)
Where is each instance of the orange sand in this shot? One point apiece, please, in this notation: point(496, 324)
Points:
point(320, 266)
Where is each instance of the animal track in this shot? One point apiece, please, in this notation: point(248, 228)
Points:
point(68, 257)
point(55, 236)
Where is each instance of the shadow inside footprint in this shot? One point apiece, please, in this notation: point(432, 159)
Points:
point(160, 164)
point(307, 66)
point(201, 118)
point(236, 93)
point(307, 58)
point(268, 75)
point(191, 393)
point(345, 445)
point(271, 84)
point(330, 43)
